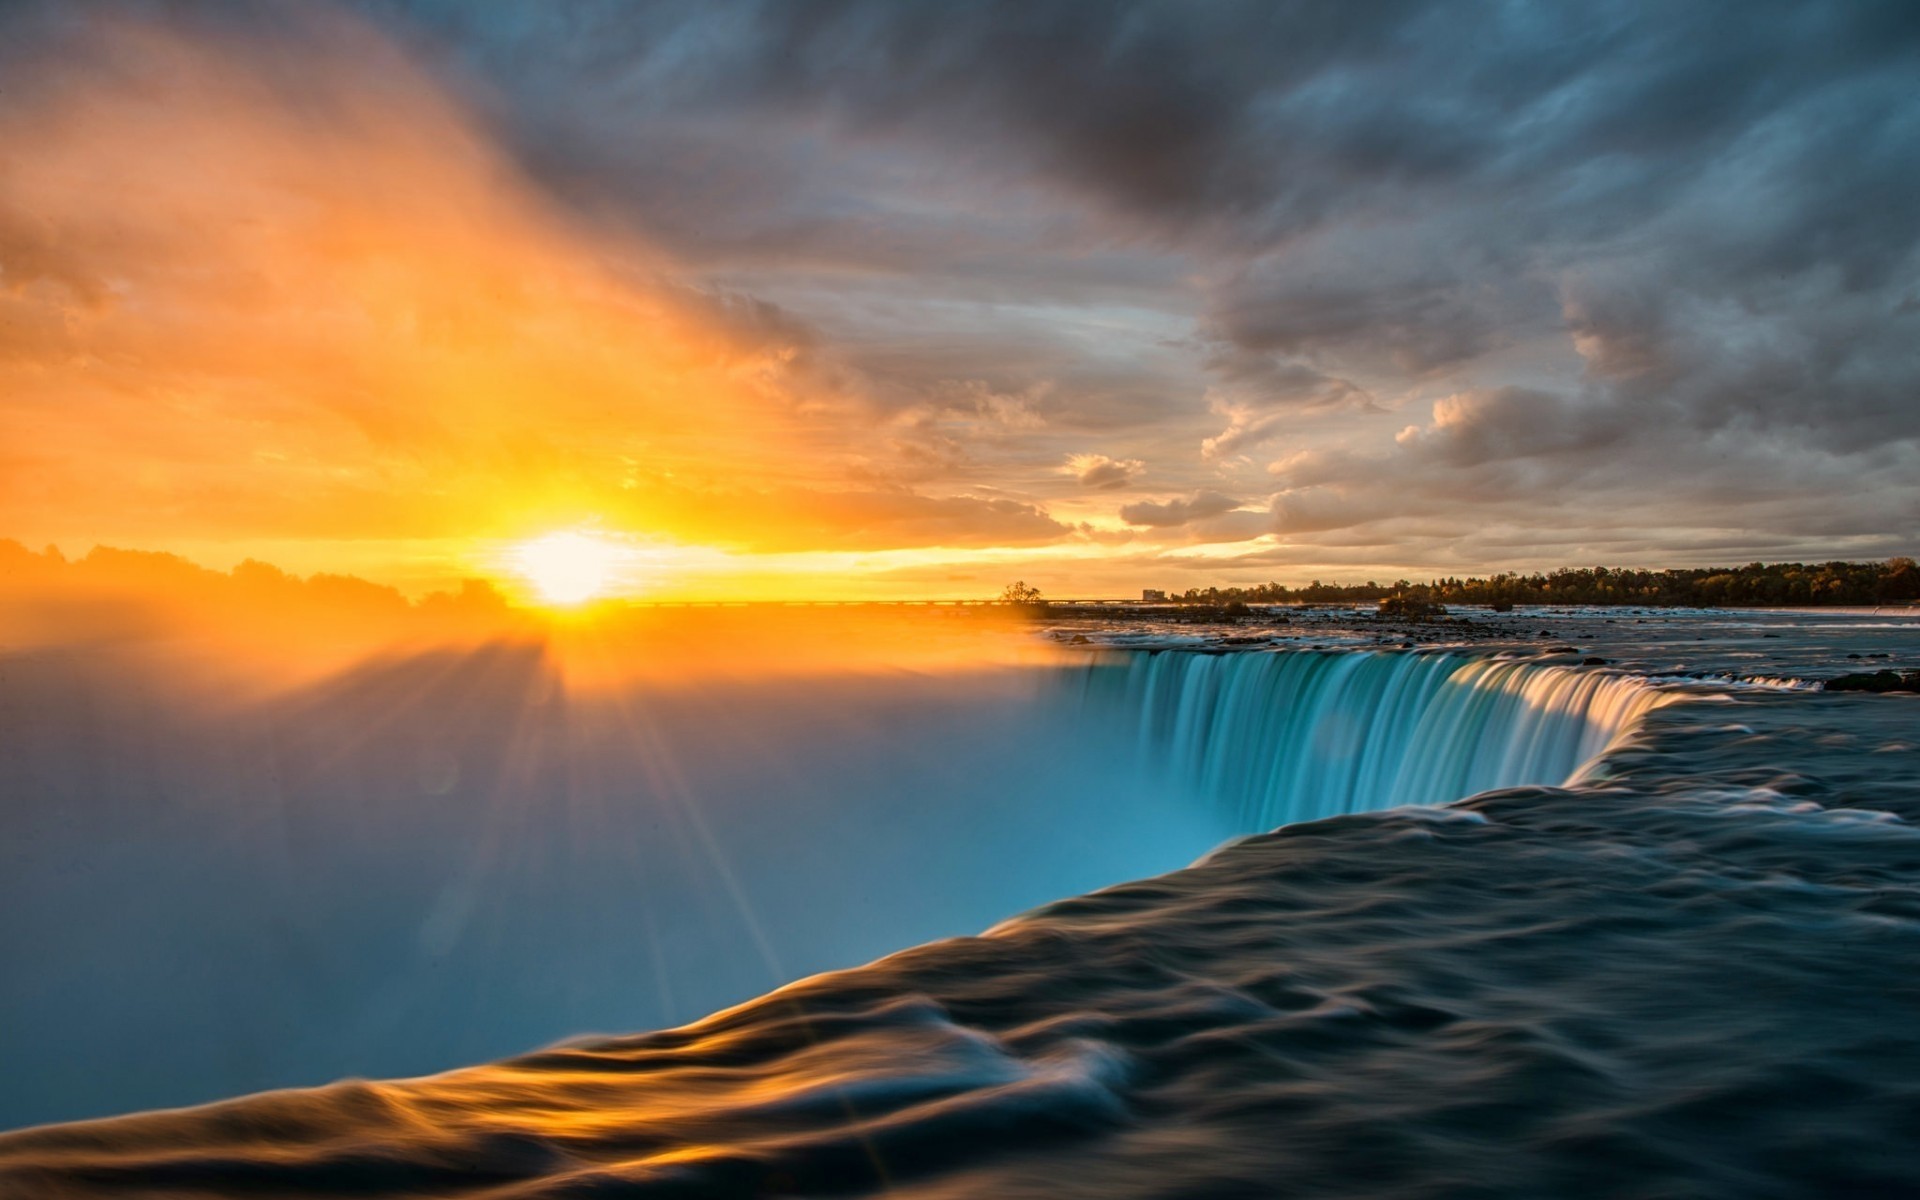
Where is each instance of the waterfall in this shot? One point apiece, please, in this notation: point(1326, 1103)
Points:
point(1283, 736)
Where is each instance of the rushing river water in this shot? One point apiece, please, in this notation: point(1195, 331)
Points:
point(1685, 971)
point(1274, 738)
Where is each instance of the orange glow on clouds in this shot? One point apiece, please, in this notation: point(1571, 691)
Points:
point(294, 306)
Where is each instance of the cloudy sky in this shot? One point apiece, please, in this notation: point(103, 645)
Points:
point(905, 298)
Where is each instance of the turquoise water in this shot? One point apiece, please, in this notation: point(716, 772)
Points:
point(1674, 962)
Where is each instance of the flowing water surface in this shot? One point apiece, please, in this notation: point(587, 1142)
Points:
point(1663, 949)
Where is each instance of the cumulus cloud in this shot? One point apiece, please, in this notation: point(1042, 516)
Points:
point(1102, 473)
point(1162, 514)
point(1321, 510)
point(1501, 424)
point(1263, 396)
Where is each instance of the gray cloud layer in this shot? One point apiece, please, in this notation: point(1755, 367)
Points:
point(1434, 277)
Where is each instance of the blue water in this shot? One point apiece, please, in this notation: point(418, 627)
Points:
point(1685, 971)
point(1274, 738)
point(444, 859)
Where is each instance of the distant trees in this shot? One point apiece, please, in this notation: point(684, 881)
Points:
point(1895, 581)
point(1018, 592)
point(254, 595)
point(1902, 580)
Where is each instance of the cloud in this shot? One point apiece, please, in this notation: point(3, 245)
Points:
point(330, 286)
point(799, 519)
point(1102, 473)
point(1689, 242)
point(1381, 300)
point(349, 316)
point(1178, 511)
point(1501, 424)
point(1457, 267)
point(1263, 396)
point(1322, 510)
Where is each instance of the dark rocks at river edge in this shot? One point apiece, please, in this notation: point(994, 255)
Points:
point(1876, 681)
point(1411, 608)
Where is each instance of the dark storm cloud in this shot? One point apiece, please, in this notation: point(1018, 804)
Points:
point(1268, 116)
point(1156, 107)
point(1420, 325)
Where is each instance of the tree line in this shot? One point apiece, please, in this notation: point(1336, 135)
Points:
point(1895, 581)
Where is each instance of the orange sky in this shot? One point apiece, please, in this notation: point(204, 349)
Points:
point(301, 310)
point(308, 285)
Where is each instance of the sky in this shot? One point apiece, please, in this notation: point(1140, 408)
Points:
point(912, 299)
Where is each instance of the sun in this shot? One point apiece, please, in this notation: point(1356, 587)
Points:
point(568, 568)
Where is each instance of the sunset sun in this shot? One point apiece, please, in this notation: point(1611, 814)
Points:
point(568, 568)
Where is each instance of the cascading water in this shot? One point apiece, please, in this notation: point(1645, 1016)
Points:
point(1287, 736)
point(467, 861)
